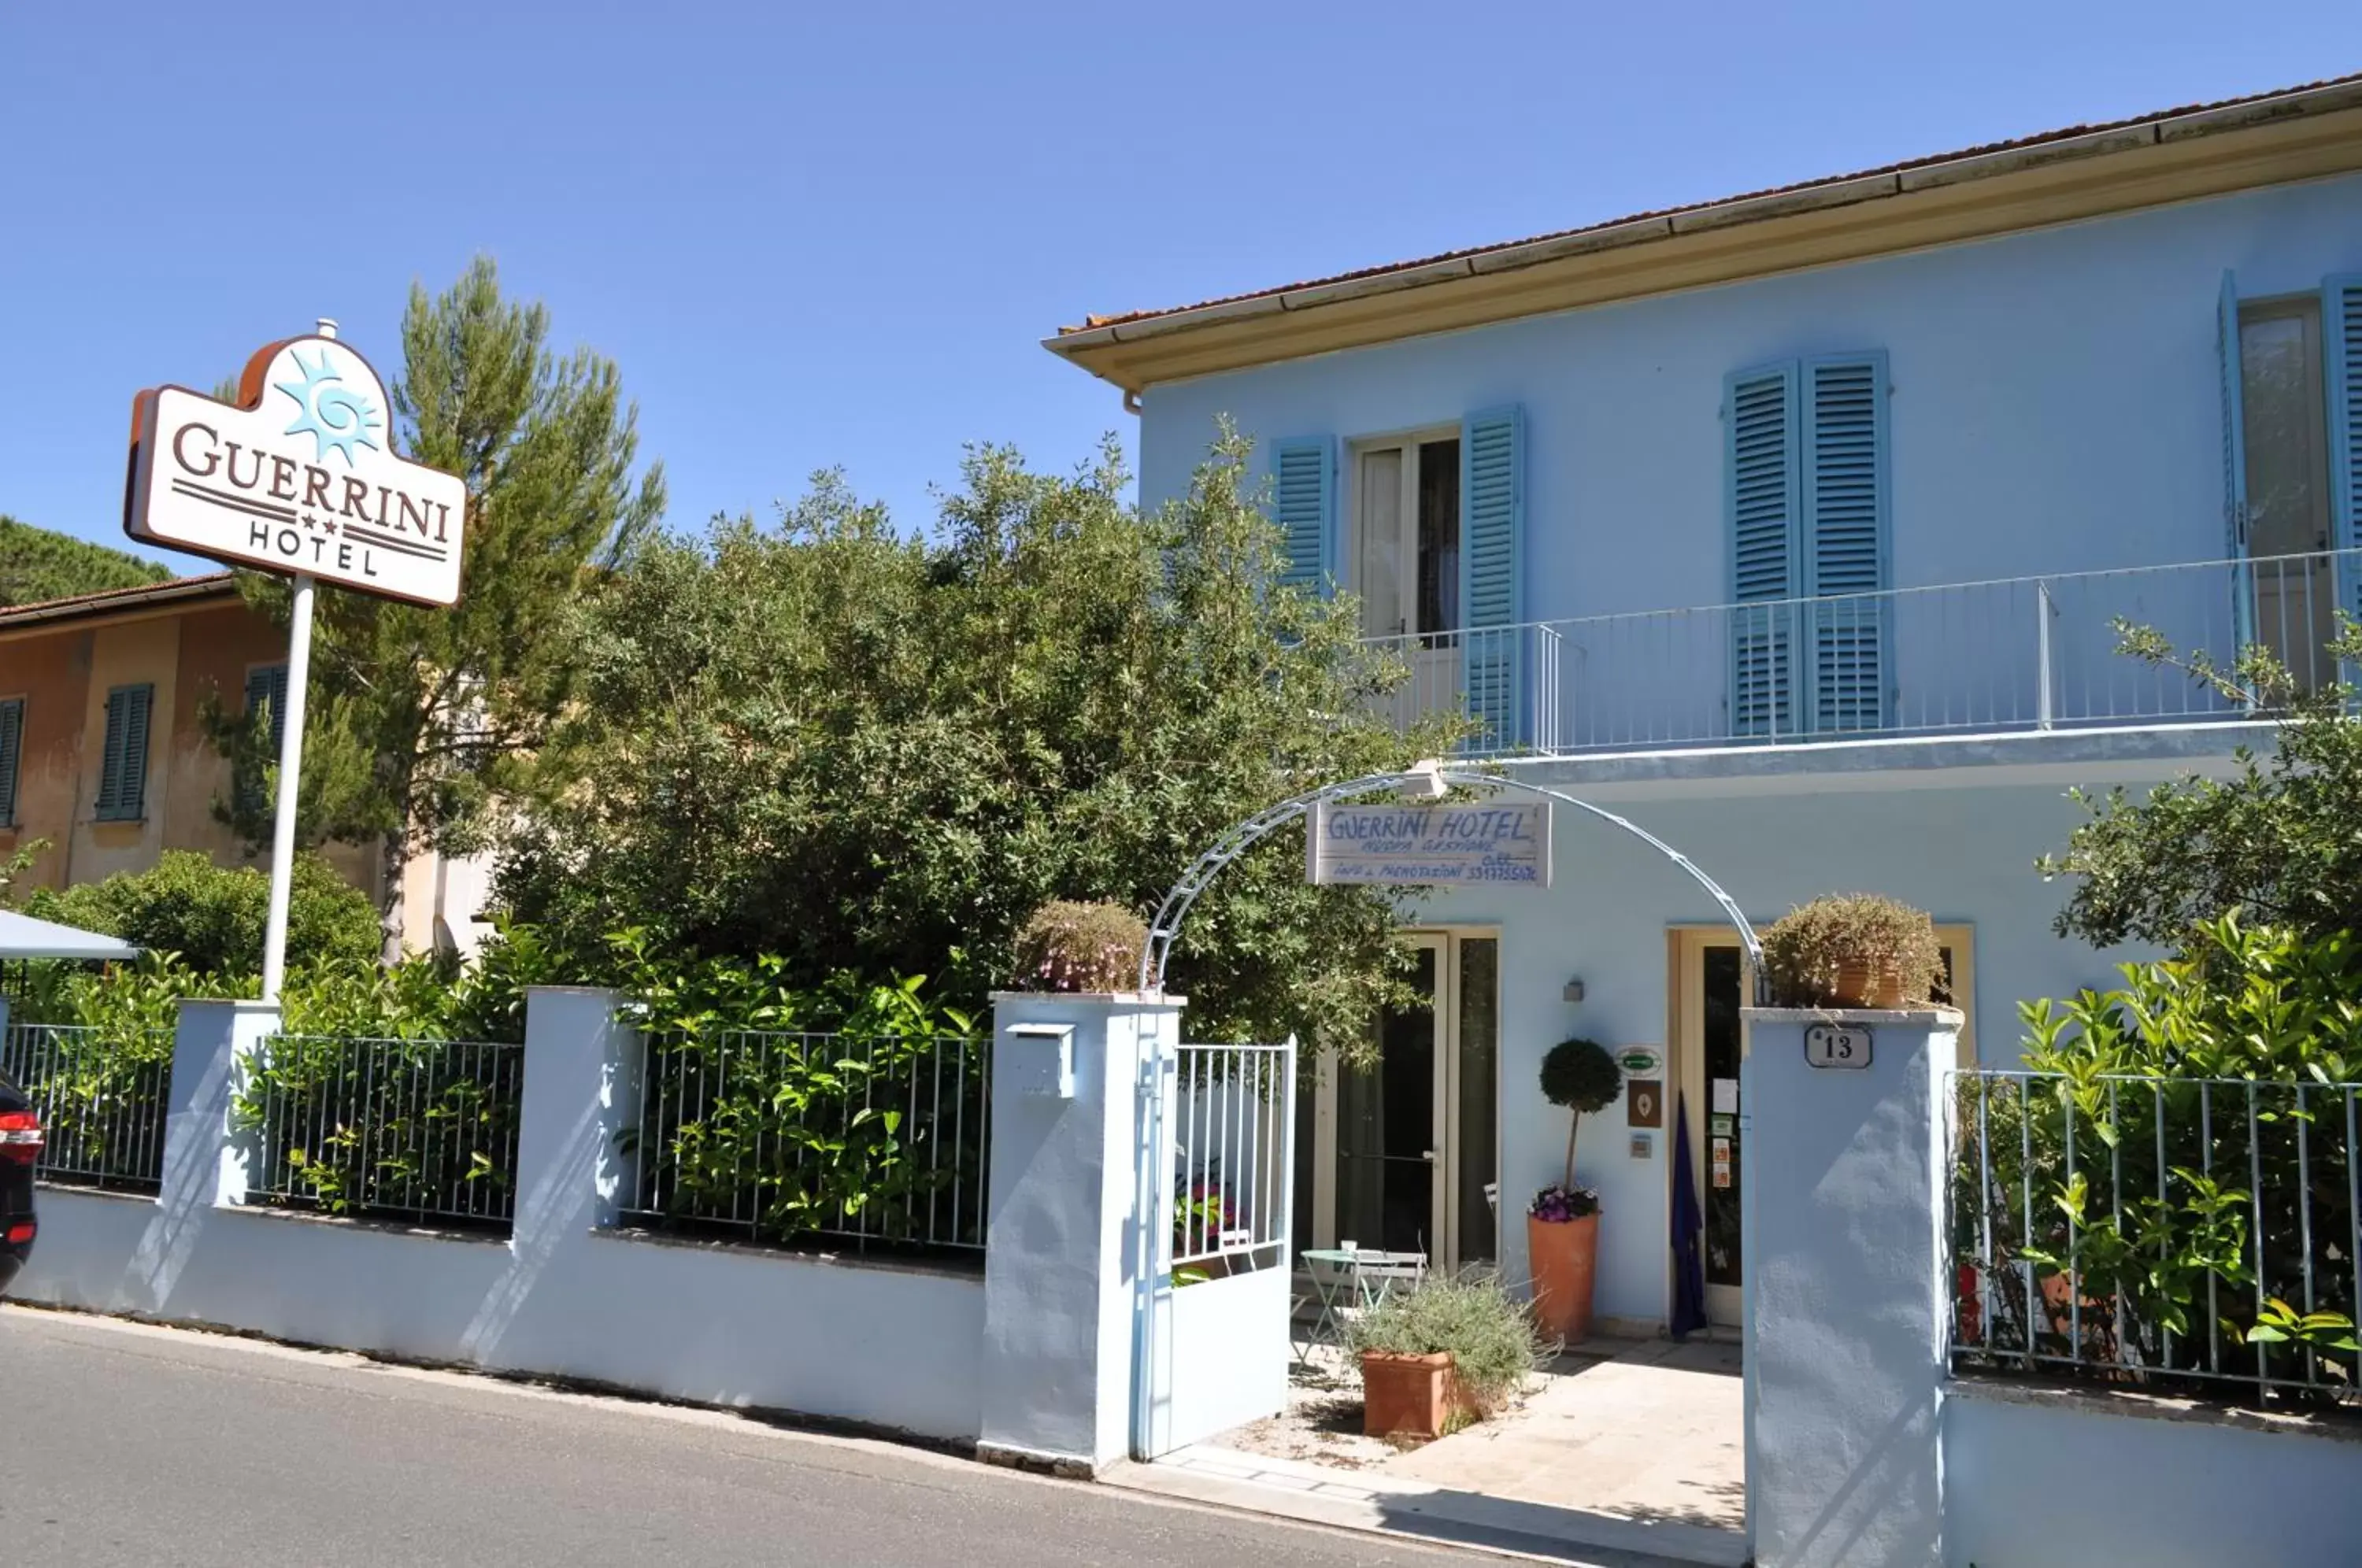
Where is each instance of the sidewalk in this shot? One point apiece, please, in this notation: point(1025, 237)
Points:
point(1629, 1454)
point(1383, 1505)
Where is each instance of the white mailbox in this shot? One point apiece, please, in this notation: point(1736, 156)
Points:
point(1039, 1058)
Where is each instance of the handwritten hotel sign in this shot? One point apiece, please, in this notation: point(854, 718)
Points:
point(298, 476)
point(1431, 845)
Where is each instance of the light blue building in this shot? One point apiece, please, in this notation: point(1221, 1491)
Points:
point(1792, 527)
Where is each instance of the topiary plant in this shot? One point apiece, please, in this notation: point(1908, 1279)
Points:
point(1852, 950)
point(1580, 1075)
point(1067, 946)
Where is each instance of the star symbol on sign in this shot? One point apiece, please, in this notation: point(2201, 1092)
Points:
point(336, 417)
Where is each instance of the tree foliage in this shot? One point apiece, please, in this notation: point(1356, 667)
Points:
point(36, 564)
point(2174, 1163)
point(418, 717)
point(2281, 838)
point(213, 916)
point(876, 754)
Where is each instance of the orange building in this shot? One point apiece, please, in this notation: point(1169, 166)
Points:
point(102, 754)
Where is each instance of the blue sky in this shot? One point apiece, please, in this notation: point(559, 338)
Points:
point(834, 235)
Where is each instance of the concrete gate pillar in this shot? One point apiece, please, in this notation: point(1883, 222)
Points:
point(1069, 1243)
point(1842, 1204)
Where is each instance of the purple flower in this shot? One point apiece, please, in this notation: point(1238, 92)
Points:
point(1557, 1204)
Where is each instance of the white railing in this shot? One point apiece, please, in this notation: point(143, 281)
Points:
point(871, 1141)
point(101, 1095)
point(2197, 1237)
point(2015, 654)
point(1234, 1126)
point(423, 1130)
point(1501, 682)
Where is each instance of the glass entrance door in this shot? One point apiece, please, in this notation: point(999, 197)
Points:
point(1407, 1148)
point(1389, 1124)
point(1714, 983)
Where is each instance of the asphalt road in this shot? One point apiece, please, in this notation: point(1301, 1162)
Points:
point(126, 1444)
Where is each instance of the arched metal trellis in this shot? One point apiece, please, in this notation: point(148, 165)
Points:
point(1244, 836)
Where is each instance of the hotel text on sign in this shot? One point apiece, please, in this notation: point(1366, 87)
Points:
point(1431, 845)
point(299, 476)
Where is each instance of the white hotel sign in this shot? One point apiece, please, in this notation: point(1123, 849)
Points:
point(299, 477)
point(1430, 845)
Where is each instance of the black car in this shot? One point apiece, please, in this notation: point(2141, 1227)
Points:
point(20, 1146)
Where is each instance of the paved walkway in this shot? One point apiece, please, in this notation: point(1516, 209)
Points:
point(1652, 1433)
point(1626, 1455)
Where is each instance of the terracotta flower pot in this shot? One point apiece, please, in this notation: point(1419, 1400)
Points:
point(1566, 1258)
point(1410, 1396)
point(1863, 984)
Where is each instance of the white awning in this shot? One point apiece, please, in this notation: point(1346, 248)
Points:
point(22, 936)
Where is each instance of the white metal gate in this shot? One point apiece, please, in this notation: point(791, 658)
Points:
point(1211, 1346)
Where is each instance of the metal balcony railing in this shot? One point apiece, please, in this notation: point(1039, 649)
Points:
point(2013, 653)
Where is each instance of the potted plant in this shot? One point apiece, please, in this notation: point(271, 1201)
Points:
point(1068, 946)
point(1204, 1216)
point(1852, 950)
point(1562, 1222)
point(1439, 1354)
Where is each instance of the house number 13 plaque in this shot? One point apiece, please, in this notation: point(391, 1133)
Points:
point(1837, 1045)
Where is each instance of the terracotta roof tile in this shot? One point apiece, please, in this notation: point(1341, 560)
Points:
point(198, 586)
point(2065, 133)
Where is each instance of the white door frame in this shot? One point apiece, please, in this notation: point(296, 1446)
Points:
point(1685, 947)
point(1434, 683)
point(1444, 1206)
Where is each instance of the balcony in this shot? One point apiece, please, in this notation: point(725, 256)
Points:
point(2009, 655)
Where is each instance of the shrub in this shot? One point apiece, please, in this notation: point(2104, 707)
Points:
point(213, 916)
point(2203, 1099)
point(1581, 1075)
point(1849, 950)
point(1491, 1340)
point(1069, 946)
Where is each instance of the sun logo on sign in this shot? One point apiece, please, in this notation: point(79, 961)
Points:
point(334, 415)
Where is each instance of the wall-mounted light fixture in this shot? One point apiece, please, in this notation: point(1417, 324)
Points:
point(1573, 991)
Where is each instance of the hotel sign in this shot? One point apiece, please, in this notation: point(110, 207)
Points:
point(298, 476)
point(1427, 846)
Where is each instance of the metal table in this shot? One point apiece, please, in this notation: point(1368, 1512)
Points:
point(1346, 1283)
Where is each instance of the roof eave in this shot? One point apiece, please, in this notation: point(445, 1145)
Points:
point(119, 601)
point(1101, 349)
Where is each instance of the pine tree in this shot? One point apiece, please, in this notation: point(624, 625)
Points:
point(420, 717)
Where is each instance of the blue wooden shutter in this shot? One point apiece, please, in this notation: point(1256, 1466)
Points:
point(2234, 462)
point(1760, 481)
point(2341, 329)
point(123, 766)
point(1305, 486)
point(1845, 527)
point(265, 685)
point(1491, 542)
point(139, 699)
point(12, 741)
point(110, 760)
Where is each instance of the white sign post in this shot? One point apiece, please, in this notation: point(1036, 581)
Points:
point(1430, 845)
point(298, 477)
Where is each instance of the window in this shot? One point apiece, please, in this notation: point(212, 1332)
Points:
point(1406, 549)
point(1805, 493)
point(2292, 374)
point(2292, 607)
point(1430, 539)
point(266, 686)
point(123, 768)
point(12, 745)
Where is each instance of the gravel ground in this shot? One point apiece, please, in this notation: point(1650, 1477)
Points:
point(1322, 1423)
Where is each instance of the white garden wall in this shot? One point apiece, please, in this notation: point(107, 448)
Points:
point(882, 1344)
point(2041, 1476)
